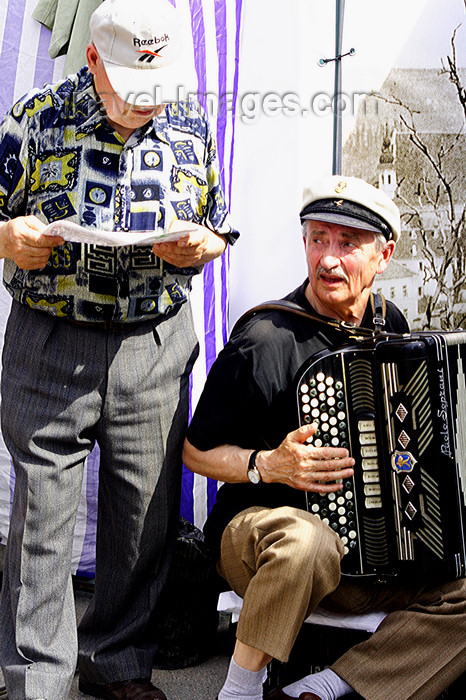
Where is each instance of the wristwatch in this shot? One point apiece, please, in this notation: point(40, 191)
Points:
point(253, 472)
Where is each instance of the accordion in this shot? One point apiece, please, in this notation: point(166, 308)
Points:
point(398, 403)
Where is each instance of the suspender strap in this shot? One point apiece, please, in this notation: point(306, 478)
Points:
point(379, 309)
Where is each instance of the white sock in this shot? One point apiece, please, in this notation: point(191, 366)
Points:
point(326, 684)
point(241, 683)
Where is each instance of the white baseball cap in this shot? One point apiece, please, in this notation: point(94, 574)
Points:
point(144, 49)
point(353, 202)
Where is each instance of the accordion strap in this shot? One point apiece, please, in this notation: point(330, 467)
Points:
point(349, 329)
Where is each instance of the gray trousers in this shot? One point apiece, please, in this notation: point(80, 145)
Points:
point(64, 388)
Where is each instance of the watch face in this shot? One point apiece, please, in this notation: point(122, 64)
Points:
point(254, 476)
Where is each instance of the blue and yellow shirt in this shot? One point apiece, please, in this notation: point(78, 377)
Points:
point(60, 158)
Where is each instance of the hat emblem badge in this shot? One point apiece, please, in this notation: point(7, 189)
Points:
point(341, 186)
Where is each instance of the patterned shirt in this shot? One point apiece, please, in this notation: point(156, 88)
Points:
point(60, 158)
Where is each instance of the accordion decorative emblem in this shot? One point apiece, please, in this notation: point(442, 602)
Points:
point(403, 461)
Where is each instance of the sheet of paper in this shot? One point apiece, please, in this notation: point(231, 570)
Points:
point(79, 234)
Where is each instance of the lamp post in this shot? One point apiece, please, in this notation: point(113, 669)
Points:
point(337, 116)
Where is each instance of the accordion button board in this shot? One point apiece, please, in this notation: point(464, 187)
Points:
point(398, 404)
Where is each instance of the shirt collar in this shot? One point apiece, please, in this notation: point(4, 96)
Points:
point(88, 115)
point(159, 127)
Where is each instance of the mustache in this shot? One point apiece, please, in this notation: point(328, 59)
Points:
point(336, 272)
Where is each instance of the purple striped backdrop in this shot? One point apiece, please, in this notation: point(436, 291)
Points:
point(44, 65)
point(11, 41)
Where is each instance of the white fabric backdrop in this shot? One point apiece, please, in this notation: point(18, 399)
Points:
point(282, 44)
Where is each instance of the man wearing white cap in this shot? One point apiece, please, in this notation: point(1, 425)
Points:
point(100, 345)
point(281, 559)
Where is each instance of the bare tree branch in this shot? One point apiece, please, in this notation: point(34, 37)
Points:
point(453, 74)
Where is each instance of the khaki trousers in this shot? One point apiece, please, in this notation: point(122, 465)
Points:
point(283, 562)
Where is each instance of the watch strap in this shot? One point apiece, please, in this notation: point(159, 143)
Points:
point(252, 463)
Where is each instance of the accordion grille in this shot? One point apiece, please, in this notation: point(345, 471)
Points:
point(375, 546)
point(431, 531)
point(362, 389)
point(418, 389)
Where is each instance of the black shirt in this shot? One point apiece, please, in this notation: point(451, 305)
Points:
point(249, 398)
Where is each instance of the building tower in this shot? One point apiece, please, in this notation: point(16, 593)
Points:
point(386, 168)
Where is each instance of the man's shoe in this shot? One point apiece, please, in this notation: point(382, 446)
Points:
point(279, 694)
point(138, 689)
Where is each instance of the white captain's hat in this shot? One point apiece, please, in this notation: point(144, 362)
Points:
point(352, 202)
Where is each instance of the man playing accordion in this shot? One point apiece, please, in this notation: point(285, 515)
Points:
point(282, 560)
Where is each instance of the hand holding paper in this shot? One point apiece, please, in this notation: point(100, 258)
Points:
point(195, 245)
point(22, 240)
